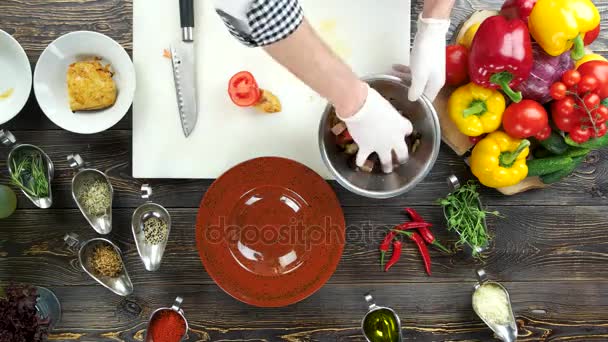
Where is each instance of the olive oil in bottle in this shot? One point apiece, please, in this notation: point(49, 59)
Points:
point(381, 326)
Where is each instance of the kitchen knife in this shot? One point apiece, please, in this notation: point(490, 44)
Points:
point(184, 69)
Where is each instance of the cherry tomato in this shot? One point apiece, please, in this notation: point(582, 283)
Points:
point(475, 140)
point(601, 114)
point(243, 89)
point(580, 134)
point(601, 130)
point(544, 134)
point(571, 78)
point(588, 83)
point(591, 101)
point(558, 90)
point(564, 106)
point(592, 35)
point(524, 119)
point(457, 65)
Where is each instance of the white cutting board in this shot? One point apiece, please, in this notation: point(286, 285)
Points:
point(370, 35)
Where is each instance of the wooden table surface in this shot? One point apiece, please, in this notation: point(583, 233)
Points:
point(550, 250)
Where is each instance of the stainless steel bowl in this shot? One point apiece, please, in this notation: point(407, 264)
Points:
point(424, 118)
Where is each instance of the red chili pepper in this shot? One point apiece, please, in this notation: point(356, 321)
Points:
point(385, 245)
point(413, 225)
point(414, 215)
point(428, 236)
point(423, 251)
point(501, 55)
point(397, 246)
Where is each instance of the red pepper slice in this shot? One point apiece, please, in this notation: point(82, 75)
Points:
point(244, 90)
point(397, 246)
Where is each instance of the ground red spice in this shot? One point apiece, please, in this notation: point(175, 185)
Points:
point(166, 326)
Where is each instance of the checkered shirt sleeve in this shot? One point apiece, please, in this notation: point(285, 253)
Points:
point(268, 21)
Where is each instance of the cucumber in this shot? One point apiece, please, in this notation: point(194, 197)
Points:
point(565, 172)
point(555, 143)
point(541, 152)
point(576, 152)
point(545, 166)
point(592, 144)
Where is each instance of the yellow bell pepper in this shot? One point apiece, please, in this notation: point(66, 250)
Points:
point(467, 39)
point(499, 160)
point(476, 110)
point(557, 25)
point(588, 58)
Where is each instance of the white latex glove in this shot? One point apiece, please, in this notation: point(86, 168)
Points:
point(428, 58)
point(378, 127)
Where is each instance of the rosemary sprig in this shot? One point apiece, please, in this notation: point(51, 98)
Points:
point(29, 174)
point(464, 216)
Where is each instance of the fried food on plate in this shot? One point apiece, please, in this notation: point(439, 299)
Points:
point(90, 86)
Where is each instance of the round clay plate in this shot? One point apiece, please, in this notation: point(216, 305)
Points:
point(270, 232)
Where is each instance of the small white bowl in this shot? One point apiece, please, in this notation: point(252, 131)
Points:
point(15, 77)
point(50, 80)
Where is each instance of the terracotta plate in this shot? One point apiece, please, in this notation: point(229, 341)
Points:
point(270, 232)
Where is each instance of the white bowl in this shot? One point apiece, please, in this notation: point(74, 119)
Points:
point(50, 80)
point(15, 74)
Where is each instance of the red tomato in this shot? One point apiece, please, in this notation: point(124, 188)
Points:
point(592, 35)
point(580, 134)
point(601, 114)
point(598, 69)
point(475, 140)
point(588, 83)
point(564, 115)
point(544, 134)
point(571, 78)
point(457, 65)
point(243, 89)
point(601, 130)
point(591, 100)
point(558, 90)
point(525, 119)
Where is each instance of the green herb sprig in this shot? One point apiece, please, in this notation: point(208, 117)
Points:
point(28, 172)
point(464, 216)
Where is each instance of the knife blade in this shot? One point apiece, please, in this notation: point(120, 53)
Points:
point(184, 69)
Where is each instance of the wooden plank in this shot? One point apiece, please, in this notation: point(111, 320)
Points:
point(531, 244)
point(111, 152)
point(436, 312)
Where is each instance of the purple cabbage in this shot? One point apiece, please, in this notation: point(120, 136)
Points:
point(546, 70)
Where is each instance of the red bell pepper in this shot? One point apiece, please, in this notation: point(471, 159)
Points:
point(518, 9)
point(501, 55)
point(592, 35)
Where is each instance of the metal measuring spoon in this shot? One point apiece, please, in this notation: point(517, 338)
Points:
point(380, 324)
point(507, 331)
point(177, 308)
point(101, 223)
point(121, 284)
point(454, 184)
point(9, 140)
point(150, 254)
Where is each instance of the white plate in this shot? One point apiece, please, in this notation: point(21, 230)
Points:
point(15, 74)
point(50, 80)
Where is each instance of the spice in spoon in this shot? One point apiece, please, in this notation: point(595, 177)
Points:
point(491, 303)
point(155, 230)
point(95, 197)
point(106, 261)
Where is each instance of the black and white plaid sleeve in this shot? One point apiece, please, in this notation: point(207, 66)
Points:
point(265, 22)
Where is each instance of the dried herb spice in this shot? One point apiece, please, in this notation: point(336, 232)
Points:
point(106, 261)
point(155, 230)
point(95, 197)
point(19, 320)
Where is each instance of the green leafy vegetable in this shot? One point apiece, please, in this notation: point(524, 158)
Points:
point(464, 216)
point(29, 173)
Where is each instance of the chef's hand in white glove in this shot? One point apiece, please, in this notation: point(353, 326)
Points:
point(428, 58)
point(378, 127)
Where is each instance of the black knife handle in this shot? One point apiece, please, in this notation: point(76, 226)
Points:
point(186, 13)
